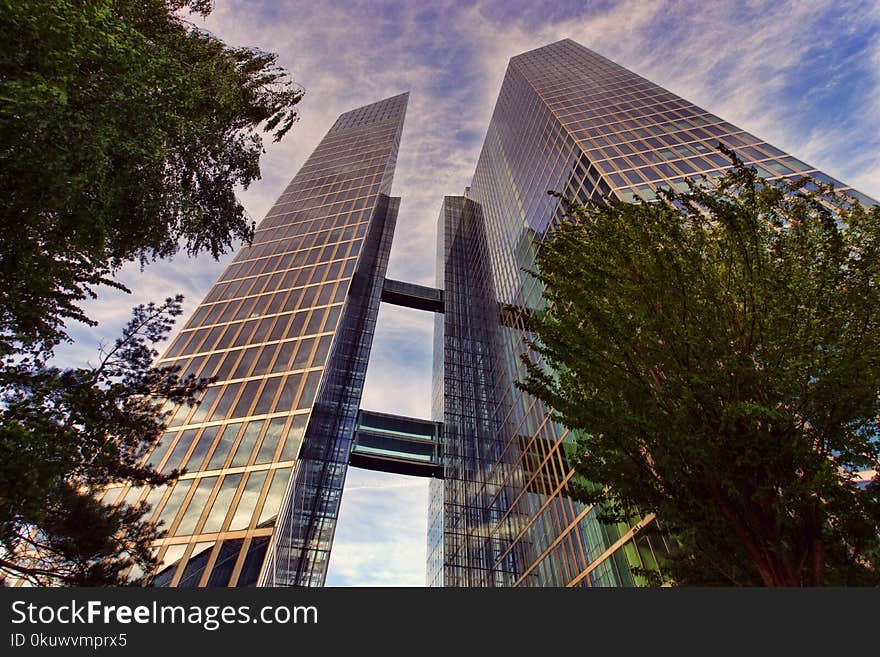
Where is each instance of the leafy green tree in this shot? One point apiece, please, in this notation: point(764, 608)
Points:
point(124, 133)
point(718, 355)
point(69, 433)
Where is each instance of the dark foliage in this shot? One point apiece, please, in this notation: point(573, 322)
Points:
point(65, 435)
point(718, 353)
point(124, 132)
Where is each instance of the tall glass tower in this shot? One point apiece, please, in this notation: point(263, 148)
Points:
point(572, 121)
point(286, 331)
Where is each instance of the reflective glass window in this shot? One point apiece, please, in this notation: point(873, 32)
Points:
point(196, 506)
point(272, 504)
point(270, 440)
point(246, 444)
point(244, 511)
point(224, 446)
point(221, 504)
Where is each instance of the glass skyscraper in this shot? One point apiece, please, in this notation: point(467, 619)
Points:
point(574, 122)
point(286, 331)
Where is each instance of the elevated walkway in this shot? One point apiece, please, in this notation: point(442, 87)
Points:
point(394, 443)
point(410, 295)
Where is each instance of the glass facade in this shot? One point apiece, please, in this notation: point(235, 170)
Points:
point(572, 121)
point(286, 332)
point(463, 507)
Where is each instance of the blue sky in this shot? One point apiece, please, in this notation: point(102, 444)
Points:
point(804, 75)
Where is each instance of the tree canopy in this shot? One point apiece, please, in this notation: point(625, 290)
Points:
point(718, 355)
point(67, 434)
point(124, 133)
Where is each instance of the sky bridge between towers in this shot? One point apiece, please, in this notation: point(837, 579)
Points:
point(394, 443)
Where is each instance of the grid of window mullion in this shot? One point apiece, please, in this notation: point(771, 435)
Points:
point(244, 330)
point(243, 315)
point(614, 112)
point(264, 330)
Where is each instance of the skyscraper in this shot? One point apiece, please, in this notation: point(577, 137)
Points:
point(286, 330)
point(572, 121)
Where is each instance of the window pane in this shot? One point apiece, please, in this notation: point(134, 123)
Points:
point(196, 506)
point(264, 402)
point(172, 505)
point(153, 498)
point(204, 405)
point(211, 366)
point(303, 353)
point(310, 389)
point(194, 462)
point(161, 447)
point(285, 353)
point(110, 496)
point(250, 570)
point(270, 440)
point(225, 562)
point(131, 497)
point(248, 501)
point(222, 409)
point(288, 392)
point(180, 450)
point(262, 365)
point(321, 351)
point(244, 402)
point(294, 437)
point(272, 504)
point(228, 362)
point(169, 565)
point(221, 503)
point(195, 566)
point(246, 445)
point(315, 321)
point(227, 440)
point(246, 362)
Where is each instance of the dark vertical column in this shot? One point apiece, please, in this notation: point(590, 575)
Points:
point(301, 549)
point(464, 554)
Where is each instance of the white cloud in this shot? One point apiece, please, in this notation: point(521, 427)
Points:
point(380, 540)
point(398, 376)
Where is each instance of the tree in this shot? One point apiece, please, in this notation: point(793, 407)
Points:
point(67, 435)
point(718, 355)
point(124, 132)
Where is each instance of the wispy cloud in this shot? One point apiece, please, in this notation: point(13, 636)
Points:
point(380, 540)
point(191, 277)
point(398, 377)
